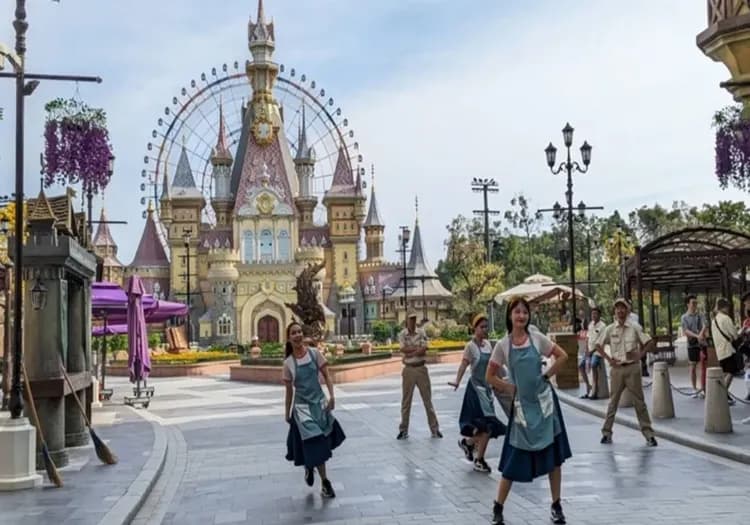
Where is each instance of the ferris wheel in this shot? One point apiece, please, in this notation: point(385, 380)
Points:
point(192, 121)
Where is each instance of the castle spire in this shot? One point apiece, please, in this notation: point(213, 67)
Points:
point(221, 153)
point(165, 185)
point(303, 152)
point(373, 216)
point(260, 32)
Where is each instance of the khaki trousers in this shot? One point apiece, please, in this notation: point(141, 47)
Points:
point(418, 376)
point(622, 377)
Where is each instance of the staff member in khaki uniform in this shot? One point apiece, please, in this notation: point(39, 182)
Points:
point(628, 344)
point(413, 342)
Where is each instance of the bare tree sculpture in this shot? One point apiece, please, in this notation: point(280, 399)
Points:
point(308, 309)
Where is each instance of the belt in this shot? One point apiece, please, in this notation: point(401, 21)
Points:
point(421, 363)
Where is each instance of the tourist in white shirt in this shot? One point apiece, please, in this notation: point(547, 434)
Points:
point(595, 328)
point(724, 332)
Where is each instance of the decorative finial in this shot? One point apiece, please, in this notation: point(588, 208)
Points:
point(150, 208)
point(372, 176)
point(416, 208)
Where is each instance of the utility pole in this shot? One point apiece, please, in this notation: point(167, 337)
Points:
point(486, 186)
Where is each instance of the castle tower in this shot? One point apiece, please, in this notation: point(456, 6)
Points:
point(374, 229)
point(106, 248)
point(150, 262)
point(221, 160)
point(425, 291)
point(342, 202)
point(304, 164)
point(165, 201)
point(187, 205)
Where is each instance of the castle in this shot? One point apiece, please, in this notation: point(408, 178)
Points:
point(239, 273)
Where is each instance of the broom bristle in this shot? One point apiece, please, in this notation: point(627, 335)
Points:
point(102, 451)
point(50, 467)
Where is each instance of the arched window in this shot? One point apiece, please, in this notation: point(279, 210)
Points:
point(224, 325)
point(248, 246)
point(285, 246)
point(266, 246)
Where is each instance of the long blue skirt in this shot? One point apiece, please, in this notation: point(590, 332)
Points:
point(314, 451)
point(525, 465)
point(472, 420)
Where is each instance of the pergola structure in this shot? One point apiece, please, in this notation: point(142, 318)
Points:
point(701, 260)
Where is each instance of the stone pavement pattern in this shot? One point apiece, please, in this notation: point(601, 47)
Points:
point(225, 464)
point(92, 492)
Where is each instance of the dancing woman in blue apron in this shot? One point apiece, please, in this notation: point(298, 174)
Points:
point(477, 420)
point(313, 431)
point(536, 442)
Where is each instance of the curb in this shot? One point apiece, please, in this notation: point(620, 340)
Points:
point(726, 451)
point(131, 502)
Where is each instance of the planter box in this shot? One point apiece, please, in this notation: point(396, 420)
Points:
point(345, 373)
point(449, 356)
point(212, 368)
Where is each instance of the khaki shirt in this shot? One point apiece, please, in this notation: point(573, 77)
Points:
point(416, 339)
point(624, 340)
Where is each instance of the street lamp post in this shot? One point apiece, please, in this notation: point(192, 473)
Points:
point(4, 226)
point(569, 166)
point(403, 240)
point(422, 278)
point(485, 187)
point(23, 89)
point(188, 302)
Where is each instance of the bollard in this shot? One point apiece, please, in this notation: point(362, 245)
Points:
point(717, 417)
point(602, 383)
point(662, 404)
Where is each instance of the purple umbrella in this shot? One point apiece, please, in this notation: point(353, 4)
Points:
point(139, 357)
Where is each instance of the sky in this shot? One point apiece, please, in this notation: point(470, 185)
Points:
point(438, 91)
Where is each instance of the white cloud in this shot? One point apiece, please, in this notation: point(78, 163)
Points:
point(432, 105)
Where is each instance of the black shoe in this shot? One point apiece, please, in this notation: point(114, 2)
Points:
point(497, 514)
point(468, 449)
point(747, 397)
point(309, 476)
point(585, 396)
point(593, 397)
point(480, 465)
point(606, 440)
point(437, 434)
point(326, 489)
point(651, 442)
point(556, 513)
point(402, 435)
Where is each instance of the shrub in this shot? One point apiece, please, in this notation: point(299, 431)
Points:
point(154, 340)
point(382, 330)
point(272, 350)
point(189, 358)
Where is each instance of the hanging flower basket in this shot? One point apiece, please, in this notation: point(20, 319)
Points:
point(732, 148)
point(77, 147)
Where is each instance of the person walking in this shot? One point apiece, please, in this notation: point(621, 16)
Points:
point(413, 343)
point(536, 443)
point(724, 332)
point(313, 431)
point(628, 344)
point(477, 420)
point(595, 328)
point(695, 329)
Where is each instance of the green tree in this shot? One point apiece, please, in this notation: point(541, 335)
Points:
point(726, 214)
point(520, 218)
point(473, 281)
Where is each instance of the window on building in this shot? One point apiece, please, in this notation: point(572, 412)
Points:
point(285, 246)
point(266, 246)
point(248, 246)
point(224, 325)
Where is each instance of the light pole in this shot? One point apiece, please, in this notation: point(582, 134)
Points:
point(23, 89)
point(569, 166)
point(186, 240)
point(486, 186)
point(89, 190)
point(422, 278)
point(4, 226)
point(403, 240)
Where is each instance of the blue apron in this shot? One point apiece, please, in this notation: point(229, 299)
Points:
point(534, 425)
point(479, 383)
point(310, 402)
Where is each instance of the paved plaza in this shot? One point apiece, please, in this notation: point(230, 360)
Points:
point(224, 463)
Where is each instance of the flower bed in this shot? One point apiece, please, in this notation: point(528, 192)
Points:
point(332, 359)
point(187, 358)
point(434, 345)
